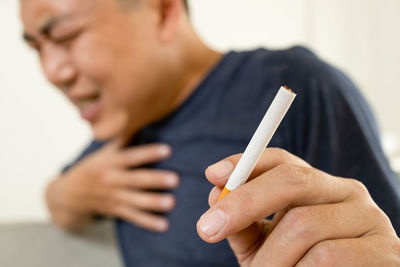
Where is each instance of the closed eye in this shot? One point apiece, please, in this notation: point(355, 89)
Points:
point(62, 39)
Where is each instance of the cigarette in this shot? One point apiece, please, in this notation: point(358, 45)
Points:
point(275, 113)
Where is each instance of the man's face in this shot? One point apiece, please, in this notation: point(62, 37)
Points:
point(102, 58)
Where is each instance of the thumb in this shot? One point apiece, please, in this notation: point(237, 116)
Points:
point(244, 243)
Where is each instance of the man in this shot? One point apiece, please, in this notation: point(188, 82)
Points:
point(163, 106)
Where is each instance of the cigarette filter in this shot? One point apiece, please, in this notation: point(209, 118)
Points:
point(260, 139)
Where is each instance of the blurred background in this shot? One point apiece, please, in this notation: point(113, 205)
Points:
point(41, 132)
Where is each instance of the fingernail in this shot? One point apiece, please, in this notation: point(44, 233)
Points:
point(221, 169)
point(171, 179)
point(162, 226)
point(212, 223)
point(167, 202)
point(164, 150)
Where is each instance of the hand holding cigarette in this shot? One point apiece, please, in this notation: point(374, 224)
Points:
point(320, 220)
point(274, 116)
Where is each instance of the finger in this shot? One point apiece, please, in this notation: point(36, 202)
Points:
point(371, 250)
point(303, 227)
point(118, 143)
point(158, 202)
point(142, 179)
point(282, 187)
point(249, 240)
point(216, 192)
point(219, 173)
point(251, 237)
point(213, 196)
point(142, 219)
point(277, 218)
point(114, 144)
point(141, 155)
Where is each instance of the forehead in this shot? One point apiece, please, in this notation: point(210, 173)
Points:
point(36, 12)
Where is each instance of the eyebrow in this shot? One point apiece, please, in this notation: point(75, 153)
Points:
point(44, 30)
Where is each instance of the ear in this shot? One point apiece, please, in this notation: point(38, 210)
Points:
point(170, 15)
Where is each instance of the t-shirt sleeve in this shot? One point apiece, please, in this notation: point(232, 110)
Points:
point(335, 131)
point(92, 147)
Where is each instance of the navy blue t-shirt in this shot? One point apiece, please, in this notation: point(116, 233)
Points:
point(329, 125)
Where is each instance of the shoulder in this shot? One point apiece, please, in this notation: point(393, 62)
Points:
point(315, 77)
point(296, 65)
point(255, 76)
point(261, 72)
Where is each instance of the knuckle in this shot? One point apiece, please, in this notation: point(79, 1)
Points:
point(280, 153)
point(296, 176)
point(324, 254)
point(359, 188)
point(234, 158)
point(158, 202)
point(298, 223)
point(373, 211)
point(151, 150)
point(287, 168)
point(152, 180)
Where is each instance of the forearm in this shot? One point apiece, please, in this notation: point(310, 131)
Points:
point(63, 214)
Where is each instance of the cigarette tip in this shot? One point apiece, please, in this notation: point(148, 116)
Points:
point(287, 88)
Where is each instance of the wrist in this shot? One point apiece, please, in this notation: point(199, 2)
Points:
point(62, 212)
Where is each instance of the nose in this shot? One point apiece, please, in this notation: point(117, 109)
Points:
point(57, 65)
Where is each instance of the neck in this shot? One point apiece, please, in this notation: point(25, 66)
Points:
point(196, 61)
point(188, 61)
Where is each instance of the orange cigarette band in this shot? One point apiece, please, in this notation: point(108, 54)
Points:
point(223, 193)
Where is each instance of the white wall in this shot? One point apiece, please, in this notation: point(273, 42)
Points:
point(40, 131)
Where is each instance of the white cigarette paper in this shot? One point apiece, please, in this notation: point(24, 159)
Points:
point(275, 113)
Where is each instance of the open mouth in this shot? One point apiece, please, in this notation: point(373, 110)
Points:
point(89, 107)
